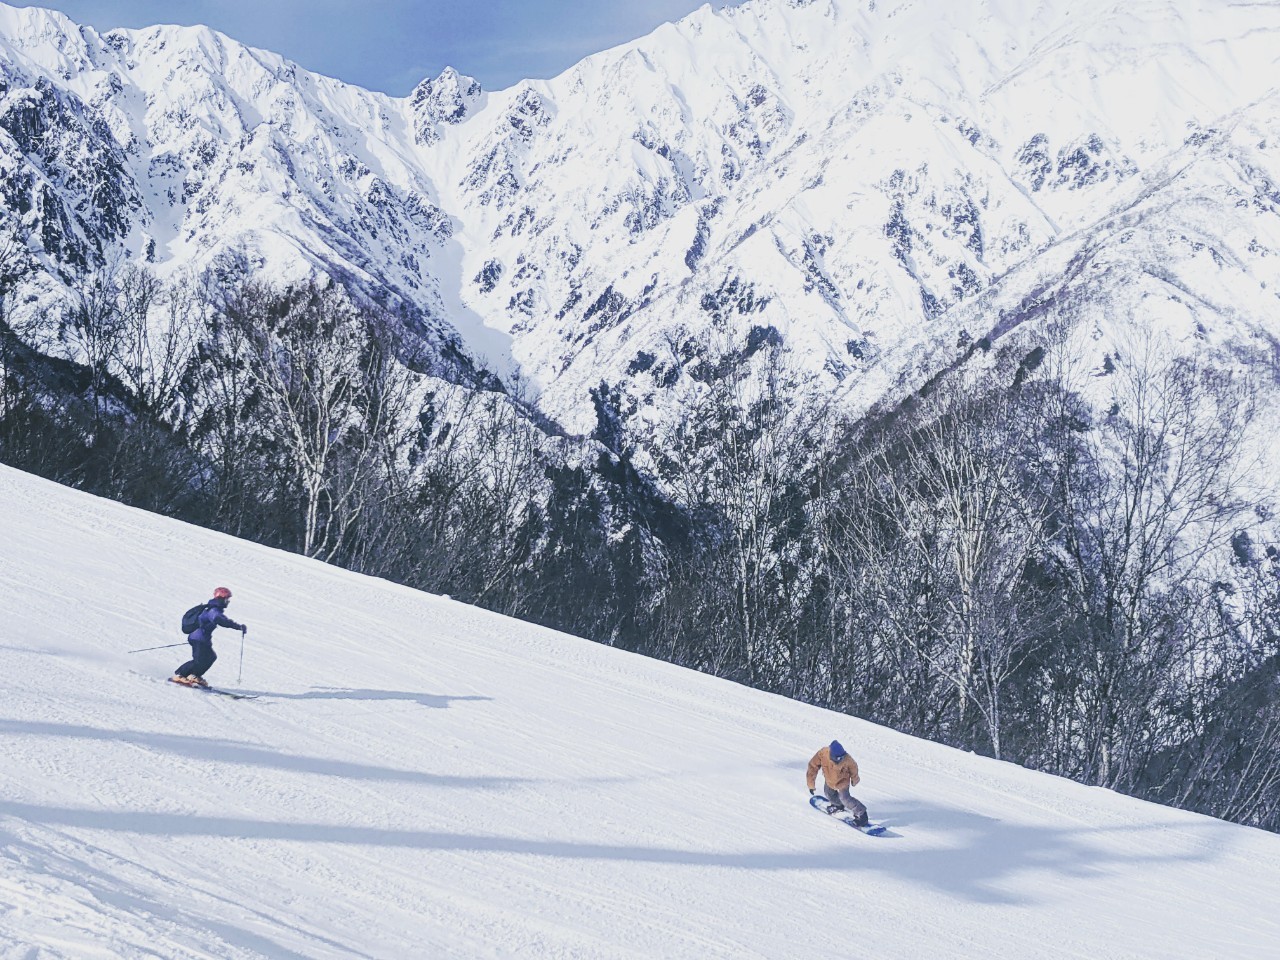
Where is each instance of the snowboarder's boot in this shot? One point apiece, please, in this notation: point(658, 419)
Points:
point(835, 808)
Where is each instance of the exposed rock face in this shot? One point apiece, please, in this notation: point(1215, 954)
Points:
point(445, 100)
point(865, 184)
point(63, 174)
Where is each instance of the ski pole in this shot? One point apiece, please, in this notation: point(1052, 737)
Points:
point(165, 646)
point(240, 677)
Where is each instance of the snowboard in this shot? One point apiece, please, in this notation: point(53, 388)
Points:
point(221, 693)
point(823, 805)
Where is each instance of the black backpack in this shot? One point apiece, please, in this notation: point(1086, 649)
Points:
point(191, 619)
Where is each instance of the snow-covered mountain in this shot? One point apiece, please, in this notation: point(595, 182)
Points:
point(420, 778)
point(869, 182)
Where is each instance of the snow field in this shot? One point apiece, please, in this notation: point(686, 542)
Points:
point(422, 778)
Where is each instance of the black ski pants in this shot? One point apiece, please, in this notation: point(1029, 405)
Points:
point(202, 657)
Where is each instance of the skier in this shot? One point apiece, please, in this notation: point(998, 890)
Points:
point(839, 775)
point(192, 672)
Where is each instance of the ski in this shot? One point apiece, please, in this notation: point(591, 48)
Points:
point(221, 693)
point(822, 805)
point(228, 693)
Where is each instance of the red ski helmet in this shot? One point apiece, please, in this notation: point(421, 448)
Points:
point(221, 593)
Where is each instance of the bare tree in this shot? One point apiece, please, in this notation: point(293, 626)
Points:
point(739, 460)
point(233, 306)
point(159, 328)
point(939, 526)
point(14, 266)
point(312, 362)
point(92, 326)
point(1151, 495)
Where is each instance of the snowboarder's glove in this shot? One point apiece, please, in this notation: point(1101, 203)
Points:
point(811, 793)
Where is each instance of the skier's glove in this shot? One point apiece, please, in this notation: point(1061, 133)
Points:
point(243, 629)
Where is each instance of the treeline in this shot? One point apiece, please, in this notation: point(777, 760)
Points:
point(1082, 588)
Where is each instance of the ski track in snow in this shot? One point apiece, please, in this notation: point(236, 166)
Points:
point(421, 778)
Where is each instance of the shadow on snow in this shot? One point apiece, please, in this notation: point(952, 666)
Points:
point(231, 751)
point(433, 700)
point(990, 856)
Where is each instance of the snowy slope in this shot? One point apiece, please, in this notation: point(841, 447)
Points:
point(424, 779)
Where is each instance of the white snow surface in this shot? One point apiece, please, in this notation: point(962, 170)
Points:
point(421, 778)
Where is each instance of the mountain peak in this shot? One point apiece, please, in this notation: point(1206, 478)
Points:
point(48, 37)
point(447, 99)
point(33, 22)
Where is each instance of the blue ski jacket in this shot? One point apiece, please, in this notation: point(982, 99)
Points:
point(211, 619)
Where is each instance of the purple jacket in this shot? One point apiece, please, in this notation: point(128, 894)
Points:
point(212, 618)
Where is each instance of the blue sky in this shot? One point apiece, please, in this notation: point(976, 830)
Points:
point(390, 45)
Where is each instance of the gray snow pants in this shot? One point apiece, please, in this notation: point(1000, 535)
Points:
point(845, 799)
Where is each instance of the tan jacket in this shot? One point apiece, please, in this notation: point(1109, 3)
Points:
point(842, 775)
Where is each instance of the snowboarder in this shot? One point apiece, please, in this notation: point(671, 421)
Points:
point(192, 672)
point(839, 775)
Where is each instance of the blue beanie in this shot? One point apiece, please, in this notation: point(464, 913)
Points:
point(837, 751)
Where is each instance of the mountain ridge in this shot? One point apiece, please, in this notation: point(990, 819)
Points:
point(737, 168)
